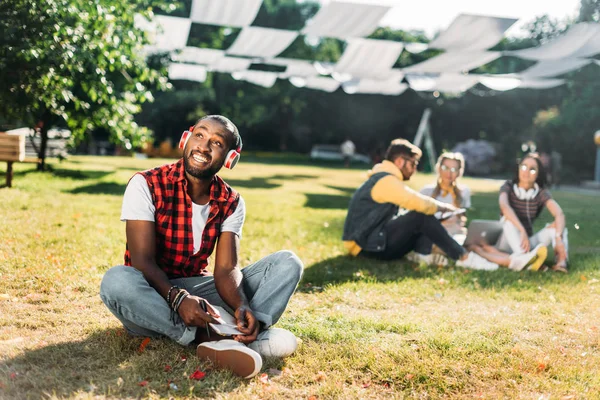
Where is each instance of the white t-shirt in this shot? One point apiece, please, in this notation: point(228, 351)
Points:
point(465, 193)
point(347, 148)
point(138, 206)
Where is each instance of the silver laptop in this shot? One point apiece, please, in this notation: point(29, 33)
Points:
point(483, 231)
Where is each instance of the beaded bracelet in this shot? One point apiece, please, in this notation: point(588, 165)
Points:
point(168, 298)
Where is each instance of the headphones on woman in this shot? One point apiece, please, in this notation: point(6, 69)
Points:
point(232, 157)
point(528, 194)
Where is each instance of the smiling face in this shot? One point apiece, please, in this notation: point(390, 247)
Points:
point(528, 172)
point(449, 171)
point(205, 151)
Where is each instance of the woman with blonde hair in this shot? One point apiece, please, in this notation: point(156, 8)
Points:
point(450, 167)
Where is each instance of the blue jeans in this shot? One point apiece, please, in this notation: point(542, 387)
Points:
point(268, 284)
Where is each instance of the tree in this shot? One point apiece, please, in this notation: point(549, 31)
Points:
point(589, 11)
point(76, 62)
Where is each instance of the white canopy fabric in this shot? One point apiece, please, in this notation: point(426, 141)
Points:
point(391, 87)
point(511, 81)
point(541, 83)
point(472, 32)
point(369, 58)
point(230, 64)
point(342, 20)
point(198, 56)
point(166, 33)
point(295, 68)
point(454, 83)
point(322, 83)
point(454, 61)
point(447, 83)
point(261, 78)
point(238, 13)
point(581, 40)
point(554, 67)
point(255, 41)
point(189, 72)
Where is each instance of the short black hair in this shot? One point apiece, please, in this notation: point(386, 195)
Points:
point(402, 147)
point(542, 177)
point(227, 124)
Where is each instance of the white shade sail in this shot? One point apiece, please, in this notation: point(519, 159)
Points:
point(322, 83)
point(261, 78)
point(581, 40)
point(238, 13)
point(554, 67)
point(472, 32)
point(501, 82)
point(369, 58)
point(189, 72)
point(198, 55)
point(371, 86)
point(255, 41)
point(165, 33)
point(454, 83)
point(343, 20)
point(454, 61)
point(541, 83)
point(230, 64)
point(295, 68)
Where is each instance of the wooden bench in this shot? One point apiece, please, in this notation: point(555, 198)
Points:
point(12, 148)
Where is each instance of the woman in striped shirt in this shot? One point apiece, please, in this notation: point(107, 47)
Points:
point(521, 202)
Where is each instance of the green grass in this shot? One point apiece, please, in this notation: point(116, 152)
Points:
point(369, 329)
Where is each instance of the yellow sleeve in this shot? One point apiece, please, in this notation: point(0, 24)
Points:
point(390, 189)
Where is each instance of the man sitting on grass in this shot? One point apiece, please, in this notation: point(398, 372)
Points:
point(387, 219)
point(175, 215)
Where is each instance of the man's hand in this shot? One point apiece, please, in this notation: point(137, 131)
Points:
point(192, 313)
point(525, 245)
point(247, 324)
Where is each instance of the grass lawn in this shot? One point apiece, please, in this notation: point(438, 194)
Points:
point(368, 329)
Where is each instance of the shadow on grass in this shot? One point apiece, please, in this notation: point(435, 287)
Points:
point(112, 188)
point(80, 174)
point(343, 269)
point(265, 182)
point(108, 363)
point(327, 201)
point(346, 190)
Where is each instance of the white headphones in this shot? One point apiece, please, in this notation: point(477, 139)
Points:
point(528, 194)
point(232, 157)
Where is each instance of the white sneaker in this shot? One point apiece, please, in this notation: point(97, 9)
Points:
point(475, 261)
point(533, 259)
point(429, 259)
point(275, 342)
point(232, 355)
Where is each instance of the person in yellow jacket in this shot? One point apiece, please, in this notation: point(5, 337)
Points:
point(387, 219)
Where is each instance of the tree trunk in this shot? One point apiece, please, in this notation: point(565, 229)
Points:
point(41, 166)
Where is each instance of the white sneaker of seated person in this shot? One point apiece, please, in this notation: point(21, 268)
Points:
point(475, 261)
point(429, 259)
point(231, 355)
point(532, 259)
point(275, 342)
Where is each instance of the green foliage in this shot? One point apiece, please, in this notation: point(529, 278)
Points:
point(78, 63)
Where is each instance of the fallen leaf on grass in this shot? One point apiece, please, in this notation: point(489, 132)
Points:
point(321, 376)
point(264, 378)
point(144, 344)
point(197, 375)
point(366, 385)
point(583, 278)
point(143, 383)
point(167, 368)
point(313, 397)
point(543, 364)
point(4, 296)
point(409, 377)
point(120, 382)
point(13, 375)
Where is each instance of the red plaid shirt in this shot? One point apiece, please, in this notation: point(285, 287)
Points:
point(173, 220)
